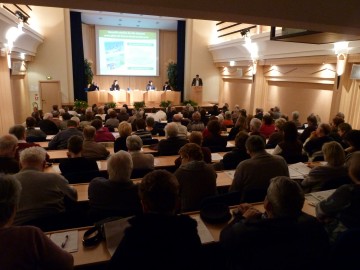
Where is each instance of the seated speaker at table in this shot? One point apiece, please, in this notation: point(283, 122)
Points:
point(150, 86)
point(166, 86)
point(115, 86)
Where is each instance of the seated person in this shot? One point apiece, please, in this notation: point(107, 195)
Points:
point(140, 160)
point(102, 133)
point(177, 118)
point(124, 131)
point(115, 85)
point(295, 115)
point(19, 132)
point(214, 140)
point(93, 87)
point(118, 195)
point(236, 155)
point(197, 179)
point(32, 134)
point(25, 247)
point(112, 122)
point(340, 212)
point(172, 144)
point(123, 115)
point(276, 137)
point(61, 139)
point(76, 164)
point(290, 148)
point(334, 169)
point(285, 237)
point(343, 130)
point(248, 177)
point(228, 122)
point(141, 130)
point(47, 125)
point(317, 139)
point(90, 148)
point(254, 126)
point(8, 162)
point(150, 86)
point(240, 125)
point(151, 126)
point(158, 238)
point(196, 124)
point(42, 193)
point(312, 124)
point(166, 86)
point(353, 139)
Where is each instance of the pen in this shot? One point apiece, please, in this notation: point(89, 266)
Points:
point(65, 241)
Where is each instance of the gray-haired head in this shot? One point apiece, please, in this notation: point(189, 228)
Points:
point(285, 196)
point(171, 130)
point(134, 143)
point(255, 124)
point(120, 166)
point(32, 157)
point(8, 144)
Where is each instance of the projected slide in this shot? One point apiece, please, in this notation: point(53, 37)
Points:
point(127, 52)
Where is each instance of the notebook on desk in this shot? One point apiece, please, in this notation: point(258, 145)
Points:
point(316, 197)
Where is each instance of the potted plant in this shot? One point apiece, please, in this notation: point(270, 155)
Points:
point(111, 105)
point(164, 104)
point(89, 75)
point(172, 74)
point(192, 103)
point(80, 104)
point(139, 104)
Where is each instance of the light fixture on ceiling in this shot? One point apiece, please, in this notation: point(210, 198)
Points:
point(341, 49)
point(232, 63)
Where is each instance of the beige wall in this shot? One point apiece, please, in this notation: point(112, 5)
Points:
point(198, 59)
point(20, 97)
point(53, 57)
point(237, 92)
point(6, 106)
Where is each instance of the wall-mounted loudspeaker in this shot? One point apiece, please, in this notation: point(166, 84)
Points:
point(355, 72)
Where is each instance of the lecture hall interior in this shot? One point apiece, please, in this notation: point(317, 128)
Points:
point(303, 72)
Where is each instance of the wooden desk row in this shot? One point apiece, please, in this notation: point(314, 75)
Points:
point(99, 254)
point(224, 179)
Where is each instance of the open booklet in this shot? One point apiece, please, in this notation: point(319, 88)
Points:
point(316, 197)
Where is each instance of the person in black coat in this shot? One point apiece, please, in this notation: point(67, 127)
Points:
point(158, 238)
point(115, 86)
point(197, 81)
point(281, 238)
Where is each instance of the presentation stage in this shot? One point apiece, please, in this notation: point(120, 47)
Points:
point(127, 52)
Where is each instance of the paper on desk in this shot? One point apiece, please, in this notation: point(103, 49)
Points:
point(295, 175)
point(114, 232)
point(56, 168)
point(300, 168)
point(270, 151)
point(203, 232)
point(71, 243)
point(230, 173)
point(216, 157)
point(322, 195)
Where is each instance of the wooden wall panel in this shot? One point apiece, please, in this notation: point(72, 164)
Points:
point(236, 92)
point(6, 106)
point(20, 98)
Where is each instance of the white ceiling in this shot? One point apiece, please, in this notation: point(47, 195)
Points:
point(128, 20)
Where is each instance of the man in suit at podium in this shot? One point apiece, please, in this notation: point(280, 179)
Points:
point(197, 81)
point(166, 86)
point(150, 86)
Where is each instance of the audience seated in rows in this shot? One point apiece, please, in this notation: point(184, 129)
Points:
point(124, 131)
point(232, 159)
point(214, 140)
point(278, 136)
point(282, 238)
point(141, 130)
point(240, 125)
point(249, 178)
point(47, 125)
point(317, 138)
point(172, 144)
point(140, 160)
point(118, 195)
point(340, 211)
point(76, 168)
point(42, 193)
point(25, 247)
point(333, 170)
point(159, 239)
point(60, 140)
point(102, 133)
point(32, 134)
point(91, 149)
point(196, 178)
point(8, 162)
point(291, 147)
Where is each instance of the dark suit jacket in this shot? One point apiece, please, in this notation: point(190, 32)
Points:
point(167, 87)
point(194, 82)
point(114, 87)
point(170, 146)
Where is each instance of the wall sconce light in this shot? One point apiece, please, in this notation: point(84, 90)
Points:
point(340, 64)
point(232, 63)
point(341, 49)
